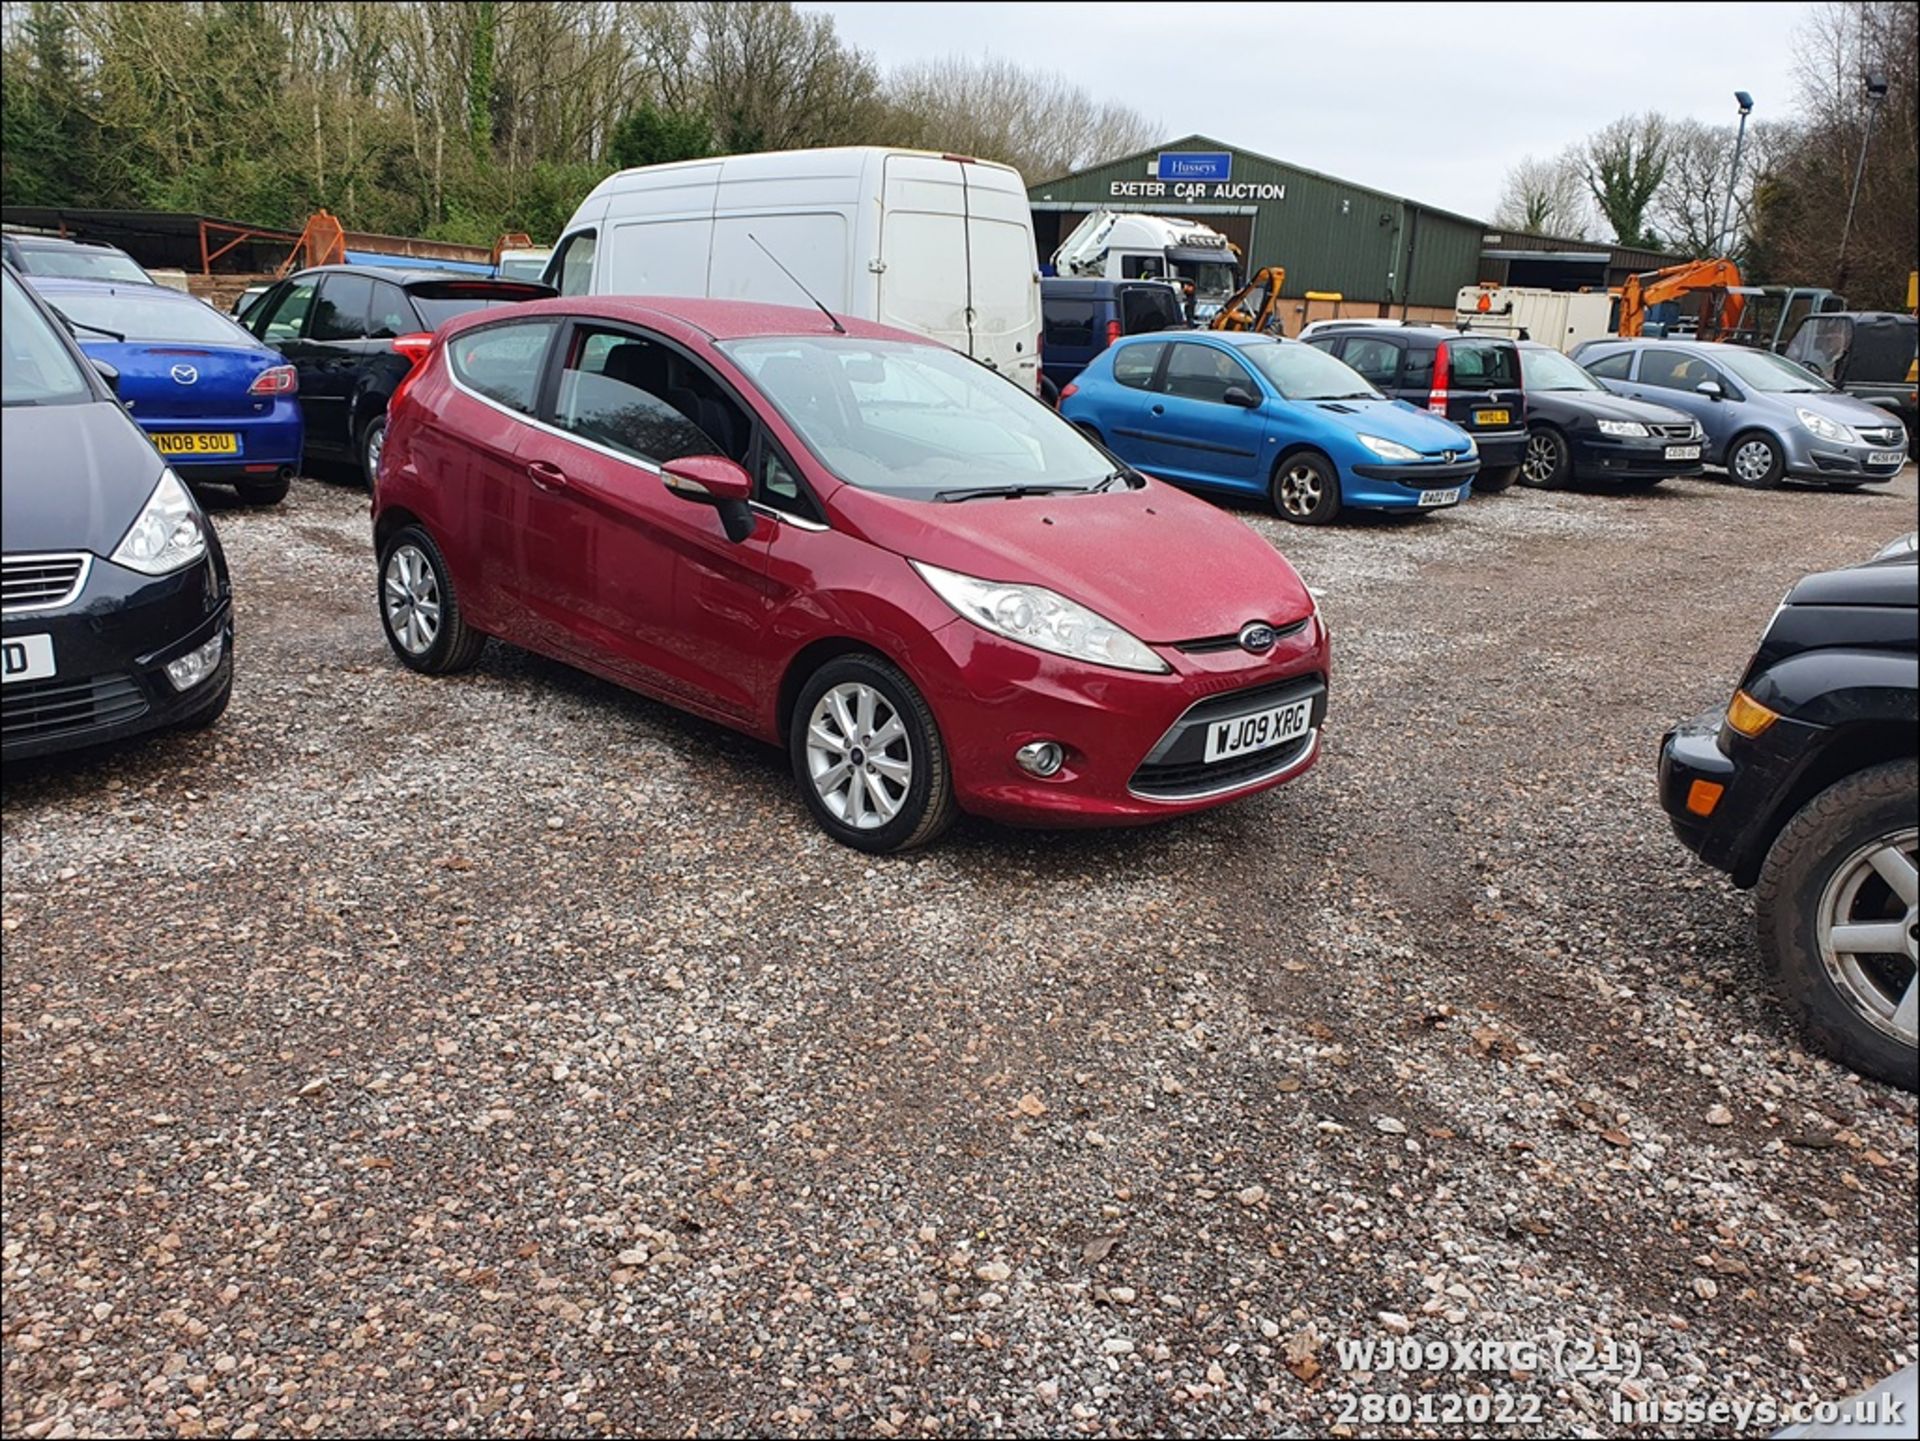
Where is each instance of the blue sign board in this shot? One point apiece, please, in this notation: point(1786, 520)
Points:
point(1195, 165)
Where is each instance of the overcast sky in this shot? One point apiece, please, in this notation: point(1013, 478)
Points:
point(1430, 101)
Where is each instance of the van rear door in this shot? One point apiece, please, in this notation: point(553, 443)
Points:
point(957, 258)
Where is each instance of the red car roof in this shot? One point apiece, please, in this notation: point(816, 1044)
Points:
point(716, 319)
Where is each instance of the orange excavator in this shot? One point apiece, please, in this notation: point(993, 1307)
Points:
point(1240, 312)
point(1716, 283)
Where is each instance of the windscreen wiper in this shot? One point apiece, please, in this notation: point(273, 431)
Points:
point(82, 325)
point(1005, 492)
point(1124, 477)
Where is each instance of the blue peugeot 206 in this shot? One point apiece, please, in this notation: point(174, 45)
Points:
point(1230, 411)
point(215, 402)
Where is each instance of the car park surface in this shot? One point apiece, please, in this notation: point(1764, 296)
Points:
point(1239, 412)
point(1577, 429)
point(1766, 419)
point(515, 1049)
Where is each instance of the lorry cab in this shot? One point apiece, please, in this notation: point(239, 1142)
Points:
point(1120, 245)
point(937, 244)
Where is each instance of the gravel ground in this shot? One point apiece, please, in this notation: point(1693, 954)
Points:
point(511, 1055)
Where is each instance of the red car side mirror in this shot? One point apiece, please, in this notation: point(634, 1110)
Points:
point(716, 481)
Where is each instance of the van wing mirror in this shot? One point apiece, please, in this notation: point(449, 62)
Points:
point(716, 481)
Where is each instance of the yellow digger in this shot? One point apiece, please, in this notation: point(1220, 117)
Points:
point(1254, 306)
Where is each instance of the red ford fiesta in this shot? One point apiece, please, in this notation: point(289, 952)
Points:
point(847, 540)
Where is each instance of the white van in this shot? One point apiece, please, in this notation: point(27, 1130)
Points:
point(938, 244)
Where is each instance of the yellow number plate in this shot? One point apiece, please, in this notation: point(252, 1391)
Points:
point(198, 442)
point(1489, 417)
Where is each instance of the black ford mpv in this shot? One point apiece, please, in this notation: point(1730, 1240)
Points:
point(115, 609)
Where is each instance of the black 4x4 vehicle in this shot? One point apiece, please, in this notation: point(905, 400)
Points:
point(1808, 786)
point(1472, 380)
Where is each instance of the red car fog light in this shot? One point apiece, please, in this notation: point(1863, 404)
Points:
point(1040, 758)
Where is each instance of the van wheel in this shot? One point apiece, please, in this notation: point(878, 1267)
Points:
point(1754, 460)
point(418, 609)
point(868, 756)
point(1838, 922)
point(1306, 490)
point(1547, 464)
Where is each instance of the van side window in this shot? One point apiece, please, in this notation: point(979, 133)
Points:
point(1147, 308)
point(1069, 323)
point(572, 268)
point(1135, 364)
point(641, 397)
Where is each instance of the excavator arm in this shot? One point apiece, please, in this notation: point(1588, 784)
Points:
point(1239, 312)
point(1713, 280)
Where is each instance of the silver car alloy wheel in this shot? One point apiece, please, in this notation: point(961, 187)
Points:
point(411, 594)
point(1300, 489)
point(1753, 460)
point(1542, 460)
point(1869, 932)
point(859, 756)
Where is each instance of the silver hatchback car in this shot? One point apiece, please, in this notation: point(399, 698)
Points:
point(1766, 418)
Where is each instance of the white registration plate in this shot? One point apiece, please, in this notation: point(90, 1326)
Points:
point(1683, 452)
point(26, 657)
point(1887, 457)
point(1260, 731)
point(1431, 498)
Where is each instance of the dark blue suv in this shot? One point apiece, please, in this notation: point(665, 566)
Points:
point(1081, 318)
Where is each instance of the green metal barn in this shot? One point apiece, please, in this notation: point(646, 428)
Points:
point(1382, 253)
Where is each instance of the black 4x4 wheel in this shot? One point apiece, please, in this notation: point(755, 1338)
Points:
point(1838, 915)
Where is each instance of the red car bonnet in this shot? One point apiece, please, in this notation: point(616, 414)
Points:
point(1161, 563)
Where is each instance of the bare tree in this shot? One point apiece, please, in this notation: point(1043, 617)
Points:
point(1546, 197)
point(1625, 164)
point(1037, 121)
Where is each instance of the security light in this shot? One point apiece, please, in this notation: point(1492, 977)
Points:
point(1876, 84)
point(1744, 100)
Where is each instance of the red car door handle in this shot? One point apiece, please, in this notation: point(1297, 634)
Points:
point(547, 477)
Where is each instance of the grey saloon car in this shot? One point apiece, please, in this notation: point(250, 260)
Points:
point(1766, 419)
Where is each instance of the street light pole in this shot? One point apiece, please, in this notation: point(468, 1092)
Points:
point(1723, 235)
point(1876, 96)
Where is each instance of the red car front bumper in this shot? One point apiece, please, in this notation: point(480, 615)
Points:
point(1132, 740)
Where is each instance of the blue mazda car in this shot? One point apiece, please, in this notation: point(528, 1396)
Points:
point(1260, 416)
point(217, 403)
